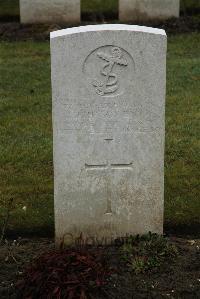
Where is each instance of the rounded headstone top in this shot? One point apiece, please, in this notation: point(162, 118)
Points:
point(106, 27)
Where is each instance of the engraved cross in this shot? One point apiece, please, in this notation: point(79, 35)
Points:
point(108, 167)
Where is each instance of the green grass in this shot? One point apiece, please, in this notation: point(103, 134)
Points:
point(9, 8)
point(25, 130)
point(182, 166)
point(102, 6)
point(189, 5)
point(26, 171)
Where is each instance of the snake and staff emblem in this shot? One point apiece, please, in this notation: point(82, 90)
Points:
point(109, 84)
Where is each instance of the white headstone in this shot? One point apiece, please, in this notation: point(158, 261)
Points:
point(143, 10)
point(108, 84)
point(49, 11)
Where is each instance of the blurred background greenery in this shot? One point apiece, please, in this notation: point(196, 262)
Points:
point(10, 8)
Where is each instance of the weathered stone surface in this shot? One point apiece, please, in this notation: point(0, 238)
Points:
point(49, 11)
point(108, 84)
point(142, 10)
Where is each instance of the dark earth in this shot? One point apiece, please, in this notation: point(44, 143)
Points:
point(14, 31)
point(177, 279)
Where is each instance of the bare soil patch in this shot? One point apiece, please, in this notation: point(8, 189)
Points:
point(179, 279)
point(14, 31)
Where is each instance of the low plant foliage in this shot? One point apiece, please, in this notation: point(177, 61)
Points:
point(146, 252)
point(69, 273)
point(86, 272)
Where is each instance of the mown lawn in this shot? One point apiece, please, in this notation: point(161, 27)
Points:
point(9, 8)
point(182, 160)
point(26, 135)
point(26, 171)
